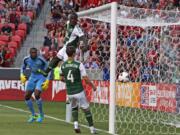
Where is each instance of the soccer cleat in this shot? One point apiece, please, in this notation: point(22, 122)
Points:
point(77, 130)
point(93, 130)
point(40, 118)
point(76, 127)
point(32, 119)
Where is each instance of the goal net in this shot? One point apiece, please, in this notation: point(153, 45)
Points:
point(147, 55)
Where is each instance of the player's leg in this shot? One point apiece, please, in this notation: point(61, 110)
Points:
point(74, 104)
point(39, 103)
point(61, 56)
point(37, 93)
point(29, 90)
point(84, 104)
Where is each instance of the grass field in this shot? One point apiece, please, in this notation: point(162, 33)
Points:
point(14, 114)
point(13, 122)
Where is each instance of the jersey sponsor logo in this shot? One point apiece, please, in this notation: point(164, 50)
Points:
point(11, 84)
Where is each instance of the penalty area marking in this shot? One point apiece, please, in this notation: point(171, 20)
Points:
point(47, 116)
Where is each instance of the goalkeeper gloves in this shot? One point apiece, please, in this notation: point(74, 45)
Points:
point(23, 78)
point(45, 85)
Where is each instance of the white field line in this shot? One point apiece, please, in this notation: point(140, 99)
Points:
point(177, 125)
point(47, 116)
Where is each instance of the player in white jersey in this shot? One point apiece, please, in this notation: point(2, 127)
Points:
point(73, 35)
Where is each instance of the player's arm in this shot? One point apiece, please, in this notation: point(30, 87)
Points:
point(85, 77)
point(52, 64)
point(87, 80)
point(46, 82)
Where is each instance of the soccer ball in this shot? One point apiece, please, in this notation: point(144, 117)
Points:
point(123, 77)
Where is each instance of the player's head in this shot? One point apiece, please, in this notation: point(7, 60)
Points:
point(73, 18)
point(33, 52)
point(70, 50)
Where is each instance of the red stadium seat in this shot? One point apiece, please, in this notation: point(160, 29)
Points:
point(18, 13)
point(4, 38)
point(13, 44)
point(22, 26)
point(12, 25)
point(13, 52)
point(17, 39)
point(21, 33)
point(2, 43)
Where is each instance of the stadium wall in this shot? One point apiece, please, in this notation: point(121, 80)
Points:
point(158, 97)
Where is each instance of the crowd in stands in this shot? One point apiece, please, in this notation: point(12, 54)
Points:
point(150, 4)
point(16, 20)
point(138, 49)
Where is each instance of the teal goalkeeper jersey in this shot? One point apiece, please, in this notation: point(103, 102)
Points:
point(72, 72)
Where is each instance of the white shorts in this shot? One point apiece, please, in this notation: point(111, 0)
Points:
point(79, 100)
point(63, 56)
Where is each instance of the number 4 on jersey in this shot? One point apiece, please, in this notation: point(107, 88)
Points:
point(70, 76)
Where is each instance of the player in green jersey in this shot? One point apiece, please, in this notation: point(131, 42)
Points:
point(72, 72)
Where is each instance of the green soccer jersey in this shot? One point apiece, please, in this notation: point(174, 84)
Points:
point(72, 72)
point(73, 33)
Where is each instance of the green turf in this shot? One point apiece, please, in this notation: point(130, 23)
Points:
point(129, 121)
point(14, 122)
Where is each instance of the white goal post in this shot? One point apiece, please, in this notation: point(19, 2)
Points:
point(113, 8)
point(121, 15)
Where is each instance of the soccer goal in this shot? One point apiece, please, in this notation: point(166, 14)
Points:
point(144, 45)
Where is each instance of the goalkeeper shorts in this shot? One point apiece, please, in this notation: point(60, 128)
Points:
point(35, 83)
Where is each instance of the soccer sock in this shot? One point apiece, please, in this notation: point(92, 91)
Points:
point(75, 114)
point(52, 64)
point(89, 118)
point(39, 103)
point(30, 106)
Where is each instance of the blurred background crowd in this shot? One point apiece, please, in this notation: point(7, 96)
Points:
point(147, 54)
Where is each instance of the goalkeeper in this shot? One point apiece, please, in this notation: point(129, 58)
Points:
point(73, 35)
point(36, 82)
point(71, 72)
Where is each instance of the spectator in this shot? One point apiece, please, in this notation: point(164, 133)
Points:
point(2, 8)
point(1, 58)
point(91, 64)
point(14, 18)
point(69, 6)
point(27, 20)
point(2, 54)
point(47, 40)
point(57, 72)
point(106, 72)
point(6, 29)
point(7, 58)
point(77, 5)
point(57, 12)
point(33, 5)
